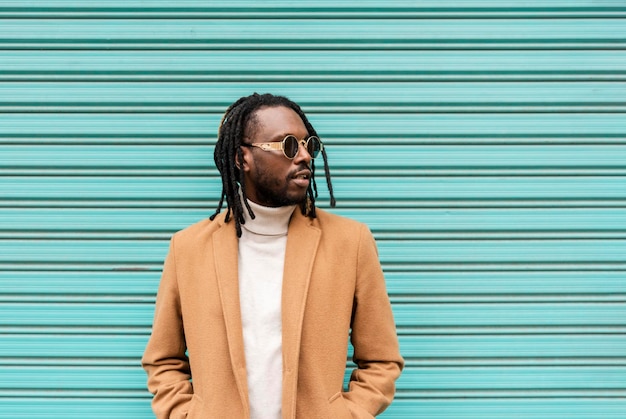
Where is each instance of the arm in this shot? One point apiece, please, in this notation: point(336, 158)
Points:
point(374, 338)
point(164, 359)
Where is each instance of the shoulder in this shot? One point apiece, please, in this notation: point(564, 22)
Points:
point(200, 231)
point(351, 239)
point(338, 225)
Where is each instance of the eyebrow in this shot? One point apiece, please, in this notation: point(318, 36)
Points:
point(307, 135)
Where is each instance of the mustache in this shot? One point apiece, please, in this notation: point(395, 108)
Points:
point(300, 168)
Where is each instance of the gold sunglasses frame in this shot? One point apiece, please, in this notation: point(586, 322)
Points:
point(280, 145)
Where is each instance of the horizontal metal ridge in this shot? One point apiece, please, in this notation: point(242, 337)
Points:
point(290, 66)
point(343, 172)
point(379, 234)
point(477, 330)
point(373, 109)
point(87, 296)
point(407, 315)
point(185, 160)
point(501, 284)
point(441, 221)
point(319, 9)
point(348, 95)
point(210, 204)
point(382, 128)
point(581, 380)
point(420, 350)
point(521, 405)
point(393, 252)
point(337, 34)
point(352, 97)
point(389, 191)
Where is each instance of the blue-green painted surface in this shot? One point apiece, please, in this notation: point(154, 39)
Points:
point(484, 143)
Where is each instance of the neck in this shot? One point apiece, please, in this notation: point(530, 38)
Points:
point(268, 221)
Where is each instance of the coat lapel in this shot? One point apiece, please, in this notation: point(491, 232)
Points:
point(302, 243)
point(225, 252)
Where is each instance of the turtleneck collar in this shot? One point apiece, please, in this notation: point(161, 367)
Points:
point(268, 221)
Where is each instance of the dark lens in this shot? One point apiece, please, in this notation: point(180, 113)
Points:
point(313, 146)
point(290, 146)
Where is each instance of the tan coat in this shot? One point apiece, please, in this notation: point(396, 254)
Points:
point(332, 282)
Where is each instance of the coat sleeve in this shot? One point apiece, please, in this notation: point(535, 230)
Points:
point(374, 338)
point(165, 358)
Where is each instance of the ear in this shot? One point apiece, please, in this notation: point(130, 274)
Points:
point(246, 152)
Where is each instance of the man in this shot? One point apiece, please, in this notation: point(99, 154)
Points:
point(256, 305)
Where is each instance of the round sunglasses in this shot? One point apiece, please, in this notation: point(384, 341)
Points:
point(290, 145)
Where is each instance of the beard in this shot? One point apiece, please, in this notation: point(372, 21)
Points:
point(274, 192)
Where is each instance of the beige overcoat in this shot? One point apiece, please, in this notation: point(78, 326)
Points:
point(332, 283)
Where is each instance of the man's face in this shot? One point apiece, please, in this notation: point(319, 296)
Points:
point(272, 179)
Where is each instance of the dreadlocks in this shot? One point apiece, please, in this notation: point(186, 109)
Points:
point(238, 117)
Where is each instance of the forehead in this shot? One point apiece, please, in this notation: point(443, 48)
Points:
point(276, 122)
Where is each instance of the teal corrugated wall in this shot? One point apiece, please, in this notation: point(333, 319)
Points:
point(484, 142)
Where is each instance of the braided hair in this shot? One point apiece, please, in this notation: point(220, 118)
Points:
point(238, 117)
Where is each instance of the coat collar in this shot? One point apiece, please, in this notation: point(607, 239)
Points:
point(302, 243)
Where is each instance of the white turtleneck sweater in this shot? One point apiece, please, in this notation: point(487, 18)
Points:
point(261, 261)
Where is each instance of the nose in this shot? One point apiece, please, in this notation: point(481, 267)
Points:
point(302, 154)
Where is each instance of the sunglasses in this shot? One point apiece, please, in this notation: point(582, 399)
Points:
point(290, 145)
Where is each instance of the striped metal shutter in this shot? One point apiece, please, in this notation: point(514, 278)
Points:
point(484, 142)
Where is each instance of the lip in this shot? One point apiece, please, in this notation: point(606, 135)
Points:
point(302, 173)
point(302, 178)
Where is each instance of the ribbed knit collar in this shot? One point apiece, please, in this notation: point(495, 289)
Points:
point(268, 221)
